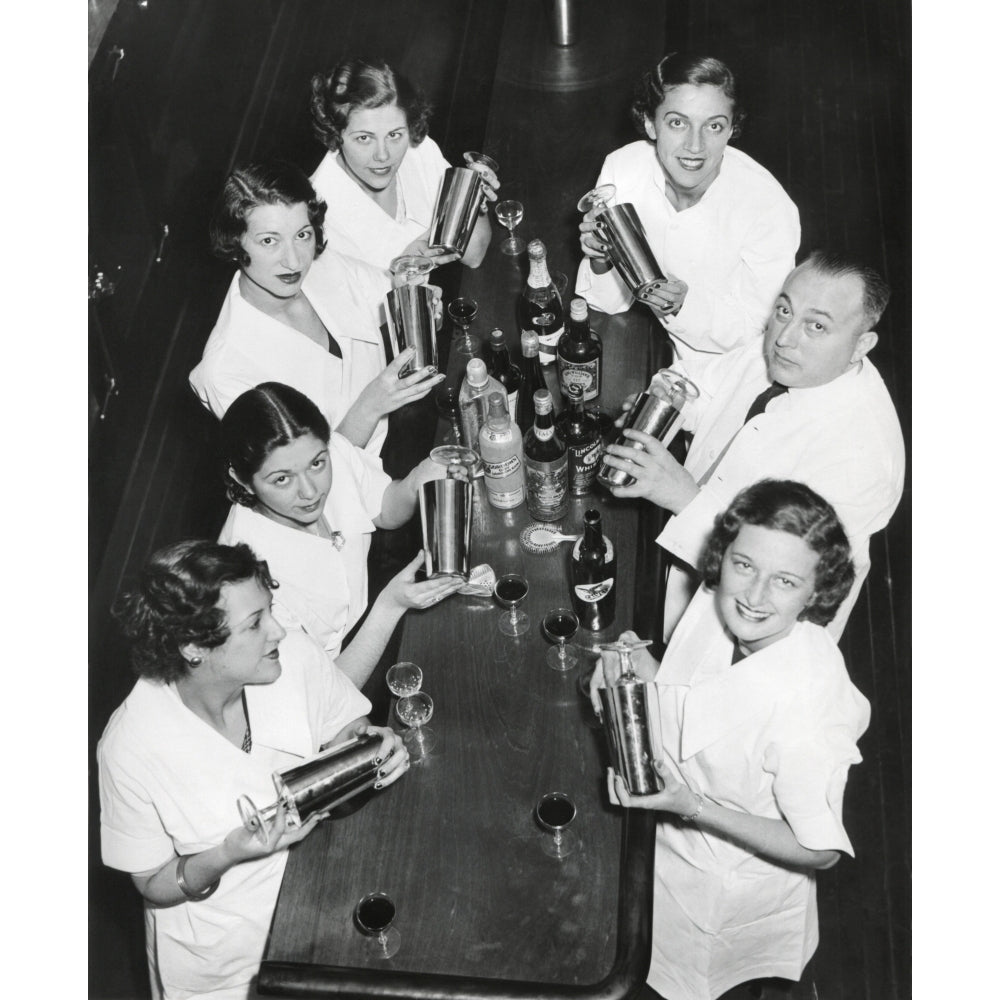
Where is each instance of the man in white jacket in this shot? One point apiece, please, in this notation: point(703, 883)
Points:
point(802, 403)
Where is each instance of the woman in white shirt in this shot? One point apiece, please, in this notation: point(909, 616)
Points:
point(224, 699)
point(721, 227)
point(297, 317)
point(382, 171)
point(760, 724)
point(308, 502)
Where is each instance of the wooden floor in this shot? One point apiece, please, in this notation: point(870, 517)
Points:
point(826, 86)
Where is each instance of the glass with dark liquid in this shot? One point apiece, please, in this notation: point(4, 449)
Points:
point(462, 312)
point(560, 625)
point(373, 916)
point(555, 811)
point(511, 589)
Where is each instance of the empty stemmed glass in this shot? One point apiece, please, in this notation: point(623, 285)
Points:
point(373, 916)
point(404, 678)
point(414, 711)
point(511, 589)
point(560, 625)
point(510, 213)
point(462, 312)
point(555, 811)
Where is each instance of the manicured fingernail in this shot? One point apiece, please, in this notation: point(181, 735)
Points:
point(378, 760)
point(431, 370)
point(381, 774)
point(378, 784)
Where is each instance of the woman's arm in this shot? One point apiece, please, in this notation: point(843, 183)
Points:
point(400, 498)
point(161, 886)
point(385, 393)
point(360, 657)
point(771, 839)
point(479, 242)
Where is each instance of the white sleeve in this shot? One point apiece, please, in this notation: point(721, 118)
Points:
point(720, 317)
point(218, 387)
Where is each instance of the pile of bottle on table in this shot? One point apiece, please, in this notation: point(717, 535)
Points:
point(531, 456)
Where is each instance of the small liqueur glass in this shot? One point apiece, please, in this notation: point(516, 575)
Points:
point(462, 312)
point(511, 589)
point(373, 916)
point(415, 711)
point(554, 812)
point(404, 678)
point(510, 213)
point(560, 625)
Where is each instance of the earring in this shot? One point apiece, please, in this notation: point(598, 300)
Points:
point(195, 661)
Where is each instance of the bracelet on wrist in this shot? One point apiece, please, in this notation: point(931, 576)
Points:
point(691, 817)
point(189, 893)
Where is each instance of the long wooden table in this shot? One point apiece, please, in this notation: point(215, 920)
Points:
point(482, 911)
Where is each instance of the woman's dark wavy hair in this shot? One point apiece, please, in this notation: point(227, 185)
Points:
point(783, 505)
point(363, 83)
point(674, 70)
point(274, 182)
point(259, 420)
point(175, 603)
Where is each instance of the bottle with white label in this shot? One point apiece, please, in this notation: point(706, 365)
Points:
point(581, 432)
point(502, 452)
point(546, 464)
point(540, 308)
point(592, 571)
point(472, 401)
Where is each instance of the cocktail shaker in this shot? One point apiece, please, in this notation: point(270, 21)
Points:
point(446, 514)
point(621, 230)
point(457, 208)
point(656, 411)
point(410, 316)
point(631, 719)
point(318, 785)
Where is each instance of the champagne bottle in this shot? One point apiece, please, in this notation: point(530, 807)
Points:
point(592, 570)
point(540, 308)
point(503, 456)
point(581, 433)
point(499, 365)
point(532, 379)
point(472, 401)
point(546, 464)
point(579, 356)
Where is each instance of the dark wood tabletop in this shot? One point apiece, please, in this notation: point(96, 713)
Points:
point(482, 911)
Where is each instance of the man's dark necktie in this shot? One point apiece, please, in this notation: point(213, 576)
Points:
point(758, 405)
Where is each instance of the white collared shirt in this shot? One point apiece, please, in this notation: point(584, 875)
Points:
point(733, 249)
point(248, 347)
point(321, 589)
point(355, 225)
point(773, 736)
point(169, 785)
point(841, 439)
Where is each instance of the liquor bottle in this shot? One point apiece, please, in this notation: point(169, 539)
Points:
point(540, 308)
point(580, 431)
point(472, 401)
point(502, 451)
point(499, 365)
point(532, 379)
point(545, 463)
point(592, 571)
point(579, 356)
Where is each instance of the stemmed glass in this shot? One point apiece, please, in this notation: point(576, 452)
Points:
point(404, 678)
point(555, 811)
point(560, 625)
point(510, 213)
point(462, 312)
point(414, 711)
point(446, 401)
point(511, 589)
point(373, 916)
